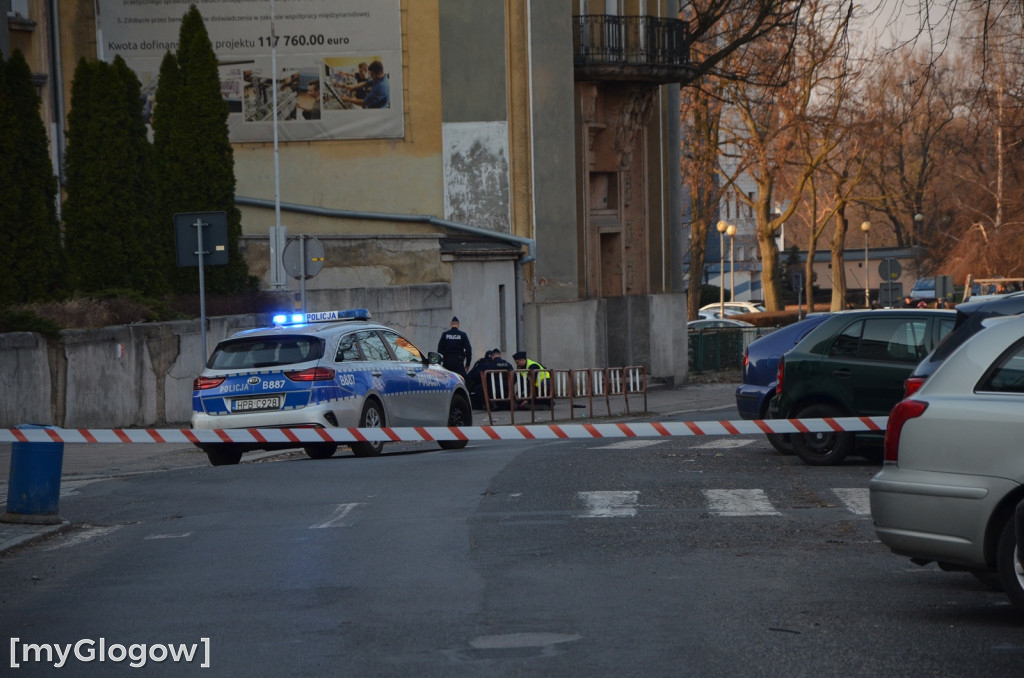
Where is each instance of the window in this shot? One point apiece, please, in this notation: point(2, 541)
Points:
point(265, 352)
point(348, 349)
point(845, 345)
point(1007, 374)
point(373, 346)
point(403, 349)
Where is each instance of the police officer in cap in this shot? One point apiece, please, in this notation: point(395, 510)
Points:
point(454, 347)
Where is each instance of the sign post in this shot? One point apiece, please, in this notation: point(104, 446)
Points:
point(191, 245)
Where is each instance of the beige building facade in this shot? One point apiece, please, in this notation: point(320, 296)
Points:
point(532, 187)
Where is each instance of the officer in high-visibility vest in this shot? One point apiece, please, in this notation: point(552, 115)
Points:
point(542, 378)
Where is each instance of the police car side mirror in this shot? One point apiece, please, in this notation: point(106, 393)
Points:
point(433, 358)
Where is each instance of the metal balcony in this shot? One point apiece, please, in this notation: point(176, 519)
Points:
point(630, 48)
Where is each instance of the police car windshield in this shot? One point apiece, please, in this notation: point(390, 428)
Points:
point(252, 352)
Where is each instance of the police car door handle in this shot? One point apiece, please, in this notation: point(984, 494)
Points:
point(411, 373)
point(376, 373)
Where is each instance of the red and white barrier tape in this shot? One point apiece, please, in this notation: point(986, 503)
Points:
point(427, 433)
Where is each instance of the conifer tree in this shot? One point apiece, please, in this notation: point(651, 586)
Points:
point(108, 212)
point(191, 138)
point(31, 257)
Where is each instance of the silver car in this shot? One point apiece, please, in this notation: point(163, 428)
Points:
point(332, 369)
point(954, 466)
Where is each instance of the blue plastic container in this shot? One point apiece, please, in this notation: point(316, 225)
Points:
point(33, 492)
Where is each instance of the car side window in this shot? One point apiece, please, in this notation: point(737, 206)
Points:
point(1007, 373)
point(845, 344)
point(373, 346)
point(348, 349)
point(403, 349)
point(897, 339)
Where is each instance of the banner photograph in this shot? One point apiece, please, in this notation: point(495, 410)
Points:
point(339, 64)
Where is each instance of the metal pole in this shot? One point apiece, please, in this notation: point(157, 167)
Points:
point(199, 225)
point(867, 274)
point(302, 270)
point(721, 274)
point(278, 281)
point(732, 267)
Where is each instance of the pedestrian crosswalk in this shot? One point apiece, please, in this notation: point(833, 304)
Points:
point(722, 503)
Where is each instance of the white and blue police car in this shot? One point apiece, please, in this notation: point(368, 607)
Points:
point(330, 369)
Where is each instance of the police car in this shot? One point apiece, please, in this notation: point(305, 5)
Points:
point(331, 369)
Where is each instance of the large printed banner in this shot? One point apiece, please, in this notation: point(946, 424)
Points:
point(339, 69)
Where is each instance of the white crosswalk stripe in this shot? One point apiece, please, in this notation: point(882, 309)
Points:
point(855, 499)
point(739, 503)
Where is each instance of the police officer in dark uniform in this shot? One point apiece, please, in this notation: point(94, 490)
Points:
point(454, 347)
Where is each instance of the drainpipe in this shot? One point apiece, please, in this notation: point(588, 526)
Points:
point(57, 98)
point(531, 244)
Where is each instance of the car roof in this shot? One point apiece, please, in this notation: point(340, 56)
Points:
point(316, 324)
point(997, 304)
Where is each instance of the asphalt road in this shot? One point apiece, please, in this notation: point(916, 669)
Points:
point(678, 557)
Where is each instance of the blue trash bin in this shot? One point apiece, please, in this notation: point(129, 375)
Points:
point(33, 490)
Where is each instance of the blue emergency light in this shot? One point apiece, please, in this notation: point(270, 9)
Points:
point(322, 317)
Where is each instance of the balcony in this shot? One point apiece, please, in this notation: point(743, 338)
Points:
point(631, 48)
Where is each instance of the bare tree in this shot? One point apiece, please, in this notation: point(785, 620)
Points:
point(778, 134)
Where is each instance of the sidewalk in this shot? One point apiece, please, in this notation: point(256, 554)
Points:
point(83, 464)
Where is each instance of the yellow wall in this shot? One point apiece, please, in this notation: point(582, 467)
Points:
point(403, 176)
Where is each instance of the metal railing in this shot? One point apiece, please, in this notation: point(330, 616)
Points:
point(523, 390)
point(715, 349)
point(611, 39)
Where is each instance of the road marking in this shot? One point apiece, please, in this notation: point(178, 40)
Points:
point(723, 444)
point(855, 499)
point(629, 445)
point(609, 504)
point(739, 503)
point(89, 532)
point(169, 536)
point(335, 521)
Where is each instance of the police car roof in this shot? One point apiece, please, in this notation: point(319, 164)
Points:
point(314, 323)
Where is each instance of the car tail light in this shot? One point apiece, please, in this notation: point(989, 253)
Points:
point(203, 383)
point(312, 374)
point(912, 385)
point(904, 411)
point(778, 374)
point(746, 360)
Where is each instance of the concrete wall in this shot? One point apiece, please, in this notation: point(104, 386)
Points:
point(141, 375)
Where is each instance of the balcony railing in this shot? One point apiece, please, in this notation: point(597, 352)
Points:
point(611, 47)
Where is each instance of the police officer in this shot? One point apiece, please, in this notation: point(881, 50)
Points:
point(454, 347)
point(542, 378)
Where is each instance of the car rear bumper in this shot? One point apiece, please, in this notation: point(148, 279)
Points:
point(935, 516)
point(752, 400)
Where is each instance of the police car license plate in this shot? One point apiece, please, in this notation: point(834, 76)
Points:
point(250, 404)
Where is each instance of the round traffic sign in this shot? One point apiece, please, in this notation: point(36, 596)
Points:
point(303, 257)
point(890, 269)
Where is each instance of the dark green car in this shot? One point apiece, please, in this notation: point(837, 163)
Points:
point(853, 364)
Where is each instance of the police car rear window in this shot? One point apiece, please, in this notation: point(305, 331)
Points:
point(254, 352)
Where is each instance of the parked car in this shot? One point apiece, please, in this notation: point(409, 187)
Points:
point(969, 319)
point(714, 323)
point(760, 373)
point(853, 364)
point(734, 307)
point(923, 289)
point(333, 369)
point(953, 471)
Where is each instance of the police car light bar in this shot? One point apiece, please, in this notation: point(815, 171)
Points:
point(322, 317)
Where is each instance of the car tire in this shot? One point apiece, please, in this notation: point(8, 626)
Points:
point(782, 442)
point(821, 448)
point(1010, 571)
point(320, 450)
point(223, 455)
point(459, 414)
point(372, 417)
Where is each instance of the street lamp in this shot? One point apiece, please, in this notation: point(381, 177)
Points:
point(722, 226)
point(918, 222)
point(866, 227)
point(731, 230)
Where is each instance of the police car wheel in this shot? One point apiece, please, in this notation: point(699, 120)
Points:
point(460, 414)
point(320, 450)
point(372, 417)
point(223, 455)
